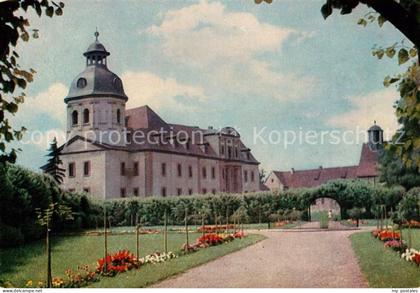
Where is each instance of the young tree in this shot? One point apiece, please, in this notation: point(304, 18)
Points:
point(14, 26)
point(45, 218)
point(409, 209)
point(53, 166)
point(356, 213)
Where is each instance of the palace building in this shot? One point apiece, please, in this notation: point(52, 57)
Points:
point(112, 152)
point(367, 169)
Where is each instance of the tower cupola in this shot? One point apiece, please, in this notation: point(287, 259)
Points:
point(375, 136)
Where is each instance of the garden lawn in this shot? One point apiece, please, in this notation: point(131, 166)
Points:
point(28, 262)
point(383, 267)
point(150, 274)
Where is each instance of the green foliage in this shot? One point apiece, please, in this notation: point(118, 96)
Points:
point(22, 194)
point(394, 172)
point(409, 207)
point(53, 166)
point(14, 26)
point(323, 220)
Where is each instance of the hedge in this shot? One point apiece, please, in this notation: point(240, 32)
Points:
point(22, 191)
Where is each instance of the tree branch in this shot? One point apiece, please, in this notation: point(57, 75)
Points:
point(402, 19)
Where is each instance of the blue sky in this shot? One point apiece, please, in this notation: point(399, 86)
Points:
point(275, 67)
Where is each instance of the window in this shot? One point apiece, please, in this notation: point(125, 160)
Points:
point(204, 172)
point(163, 191)
point(246, 176)
point(86, 189)
point(122, 169)
point(81, 83)
point(136, 191)
point(248, 156)
point(190, 171)
point(122, 192)
point(74, 118)
point(86, 168)
point(236, 152)
point(86, 116)
point(178, 191)
point(213, 173)
point(213, 191)
point(204, 191)
point(190, 191)
point(71, 169)
point(272, 180)
point(72, 190)
point(223, 150)
point(229, 152)
point(252, 176)
point(118, 116)
point(179, 170)
point(163, 169)
point(136, 169)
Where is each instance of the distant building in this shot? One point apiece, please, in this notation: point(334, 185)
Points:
point(116, 152)
point(367, 169)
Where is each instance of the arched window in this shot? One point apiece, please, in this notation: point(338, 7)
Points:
point(85, 116)
point(74, 118)
point(118, 116)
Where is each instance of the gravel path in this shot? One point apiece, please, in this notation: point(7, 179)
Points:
point(284, 259)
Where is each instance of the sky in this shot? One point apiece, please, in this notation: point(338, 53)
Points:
point(267, 70)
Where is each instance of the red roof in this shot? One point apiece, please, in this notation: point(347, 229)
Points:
point(368, 164)
point(310, 178)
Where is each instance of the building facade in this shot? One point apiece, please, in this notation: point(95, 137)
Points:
point(112, 152)
point(367, 169)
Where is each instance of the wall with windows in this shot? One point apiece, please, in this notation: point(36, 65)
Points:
point(173, 174)
point(96, 118)
point(250, 178)
point(85, 172)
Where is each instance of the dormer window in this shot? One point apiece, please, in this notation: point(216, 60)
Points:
point(81, 83)
point(74, 118)
point(86, 116)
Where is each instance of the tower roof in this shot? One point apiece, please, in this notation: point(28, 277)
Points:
point(96, 80)
point(375, 127)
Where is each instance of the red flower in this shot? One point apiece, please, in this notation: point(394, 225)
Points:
point(416, 258)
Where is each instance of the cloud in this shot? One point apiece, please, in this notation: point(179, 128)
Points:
point(145, 88)
point(367, 108)
point(205, 32)
point(46, 104)
point(224, 48)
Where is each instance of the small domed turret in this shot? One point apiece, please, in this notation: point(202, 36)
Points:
point(375, 136)
point(96, 80)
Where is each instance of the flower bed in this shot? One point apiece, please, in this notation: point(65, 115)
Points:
point(211, 239)
point(412, 255)
point(393, 240)
point(121, 261)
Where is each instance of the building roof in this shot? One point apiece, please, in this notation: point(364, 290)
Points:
point(368, 164)
point(313, 177)
point(96, 80)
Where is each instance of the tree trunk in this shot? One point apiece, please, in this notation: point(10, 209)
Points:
point(48, 242)
point(105, 242)
point(165, 232)
point(186, 227)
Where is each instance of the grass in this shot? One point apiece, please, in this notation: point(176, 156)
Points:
point(383, 267)
point(28, 262)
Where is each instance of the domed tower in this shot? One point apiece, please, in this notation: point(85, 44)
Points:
point(375, 136)
point(96, 100)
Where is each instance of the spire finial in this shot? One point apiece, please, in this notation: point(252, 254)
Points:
point(96, 34)
point(374, 122)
